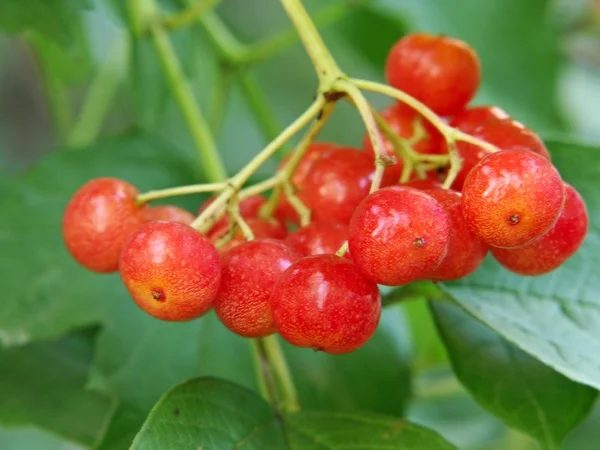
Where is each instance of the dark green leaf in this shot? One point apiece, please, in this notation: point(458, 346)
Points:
point(56, 20)
point(213, 414)
point(516, 41)
point(555, 317)
point(43, 384)
point(514, 386)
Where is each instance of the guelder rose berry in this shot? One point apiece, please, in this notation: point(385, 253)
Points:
point(317, 238)
point(442, 72)
point(325, 303)
point(556, 246)
point(511, 198)
point(249, 274)
point(172, 271)
point(466, 251)
point(167, 213)
point(398, 235)
point(98, 220)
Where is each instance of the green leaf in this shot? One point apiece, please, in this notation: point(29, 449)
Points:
point(507, 34)
point(33, 438)
point(514, 386)
point(56, 20)
point(213, 414)
point(555, 317)
point(43, 384)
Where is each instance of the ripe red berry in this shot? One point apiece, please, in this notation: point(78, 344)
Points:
point(466, 251)
point(249, 274)
point(262, 229)
point(336, 184)
point(172, 272)
point(403, 120)
point(442, 72)
point(249, 207)
point(98, 220)
point(285, 210)
point(325, 303)
point(423, 184)
point(318, 238)
point(471, 119)
point(512, 197)
point(506, 134)
point(398, 235)
point(167, 213)
point(551, 250)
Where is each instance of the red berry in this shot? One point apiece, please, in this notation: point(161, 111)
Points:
point(506, 134)
point(466, 251)
point(98, 220)
point(318, 238)
point(398, 235)
point(512, 197)
point(336, 184)
point(403, 120)
point(167, 213)
point(472, 118)
point(314, 151)
point(249, 274)
point(249, 207)
point(551, 250)
point(325, 303)
point(172, 272)
point(423, 184)
point(262, 229)
point(442, 72)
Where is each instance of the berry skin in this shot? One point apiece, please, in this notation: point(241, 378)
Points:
point(512, 197)
point(471, 119)
point(262, 229)
point(97, 222)
point(336, 184)
point(506, 134)
point(172, 272)
point(403, 120)
point(398, 235)
point(249, 274)
point(167, 213)
point(318, 238)
point(466, 251)
point(551, 250)
point(323, 302)
point(249, 208)
point(424, 184)
point(442, 72)
point(286, 211)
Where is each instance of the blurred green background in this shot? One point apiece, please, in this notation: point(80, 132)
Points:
point(541, 63)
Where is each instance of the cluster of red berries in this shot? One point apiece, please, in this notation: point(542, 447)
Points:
point(512, 203)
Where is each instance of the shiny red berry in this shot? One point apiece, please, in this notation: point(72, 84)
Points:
point(466, 251)
point(262, 229)
point(249, 274)
point(318, 238)
point(249, 207)
point(471, 119)
point(98, 220)
point(556, 246)
point(398, 235)
point(325, 303)
point(172, 272)
point(442, 72)
point(512, 198)
point(167, 213)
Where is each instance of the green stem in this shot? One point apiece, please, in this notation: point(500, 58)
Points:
point(323, 62)
point(214, 210)
point(208, 154)
point(189, 15)
point(289, 396)
point(100, 95)
point(266, 384)
point(181, 190)
point(228, 47)
point(256, 99)
point(219, 99)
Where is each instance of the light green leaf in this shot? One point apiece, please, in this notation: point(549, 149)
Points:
point(514, 386)
point(213, 414)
